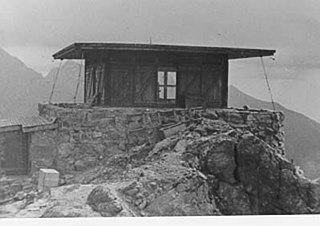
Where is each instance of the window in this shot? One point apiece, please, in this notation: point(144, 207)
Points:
point(167, 81)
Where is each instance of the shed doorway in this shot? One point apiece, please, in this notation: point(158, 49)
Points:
point(15, 160)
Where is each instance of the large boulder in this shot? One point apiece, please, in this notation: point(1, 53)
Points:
point(102, 201)
point(60, 211)
point(273, 181)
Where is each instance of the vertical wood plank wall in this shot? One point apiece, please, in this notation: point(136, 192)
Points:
point(130, 79)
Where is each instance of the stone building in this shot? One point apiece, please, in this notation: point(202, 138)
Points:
point(134, 93)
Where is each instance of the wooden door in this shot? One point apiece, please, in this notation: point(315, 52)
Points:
point(121, 85)
point(212, 86)
point(15, 144)
point(94, 89)
point(145, 85)
point(189, 83)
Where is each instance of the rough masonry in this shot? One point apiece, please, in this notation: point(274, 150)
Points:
point(90, 137)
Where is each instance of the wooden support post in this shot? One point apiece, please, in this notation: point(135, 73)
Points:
point(85, 82)
point(105, 86)
point(133, 83)
point(108, 82)
point(225, 76)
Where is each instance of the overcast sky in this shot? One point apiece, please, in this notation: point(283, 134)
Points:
point(33, 30)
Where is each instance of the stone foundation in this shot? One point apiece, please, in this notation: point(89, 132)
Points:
point(10, 186)
point(265, 124)
point(87, 137)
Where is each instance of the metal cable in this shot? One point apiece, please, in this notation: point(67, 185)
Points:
point(267, 81)
point(79, 76)
point(54, 82)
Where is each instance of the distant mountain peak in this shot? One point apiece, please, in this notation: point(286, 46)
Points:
point(12, 67)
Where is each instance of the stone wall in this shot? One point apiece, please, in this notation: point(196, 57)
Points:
point(88, 137)
point(10, 186)
point(265, 124)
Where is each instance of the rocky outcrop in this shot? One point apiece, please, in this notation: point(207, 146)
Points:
point(101, 200)
point(236, 172)
point(265, 124)
point(211, 168)
point(11, 188)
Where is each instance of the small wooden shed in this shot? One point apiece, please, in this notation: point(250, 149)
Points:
point(15, 138)
point(143, 75)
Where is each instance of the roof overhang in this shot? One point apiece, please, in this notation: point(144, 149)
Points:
point(78, 50)
point(27, 124)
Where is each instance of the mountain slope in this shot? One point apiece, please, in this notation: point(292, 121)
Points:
point(302, 133)
point(18, 87)
point(67, 82)
point(22, 88)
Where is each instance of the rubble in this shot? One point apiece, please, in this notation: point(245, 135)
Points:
point(171, 130)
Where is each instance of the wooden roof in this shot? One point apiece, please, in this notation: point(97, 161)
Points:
point(76, 50)
point(28, 124)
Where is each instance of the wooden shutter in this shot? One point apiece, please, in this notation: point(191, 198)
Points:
point(145, 85)
point(121, 89)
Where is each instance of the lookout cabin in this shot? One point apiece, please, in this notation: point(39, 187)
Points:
point(149, 75)
point(120, 75)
